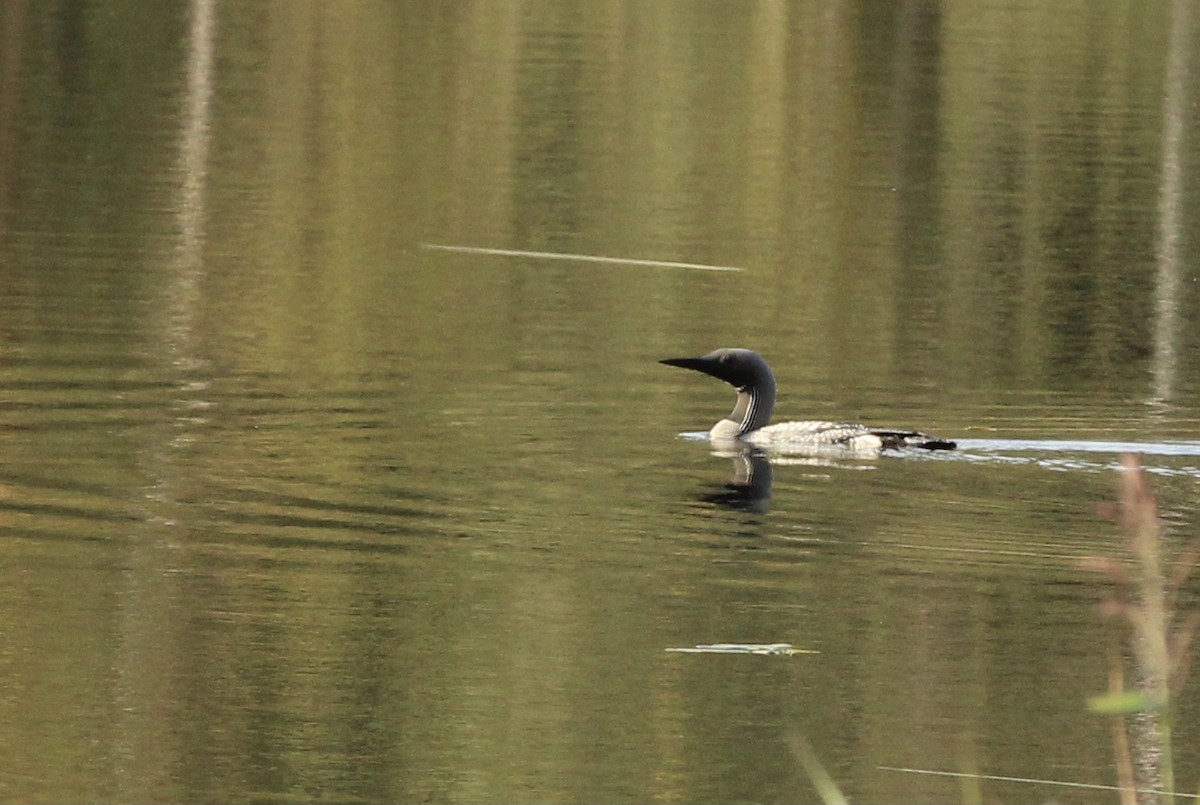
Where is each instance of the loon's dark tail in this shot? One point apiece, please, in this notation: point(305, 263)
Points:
point(910, 438)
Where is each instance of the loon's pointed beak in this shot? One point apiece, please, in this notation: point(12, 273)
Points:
point(699, 364)
point(707, 365)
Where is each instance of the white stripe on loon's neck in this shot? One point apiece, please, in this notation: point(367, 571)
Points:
point(753, 407)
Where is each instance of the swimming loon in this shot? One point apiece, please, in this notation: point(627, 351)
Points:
point(746, 371)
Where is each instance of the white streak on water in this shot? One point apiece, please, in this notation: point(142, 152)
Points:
point(1032, 780)
point(1069, 446)
point(580, 258)
point(743, 648)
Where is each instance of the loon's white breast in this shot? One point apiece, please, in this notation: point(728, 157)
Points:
point(748, 424)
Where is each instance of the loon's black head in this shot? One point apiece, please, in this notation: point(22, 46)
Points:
point(740, 368)
point(747, 372)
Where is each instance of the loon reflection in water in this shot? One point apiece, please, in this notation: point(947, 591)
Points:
point(747, 372)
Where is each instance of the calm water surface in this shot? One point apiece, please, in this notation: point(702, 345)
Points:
point(295, 508)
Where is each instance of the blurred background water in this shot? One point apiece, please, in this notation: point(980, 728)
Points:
point(295, 508)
